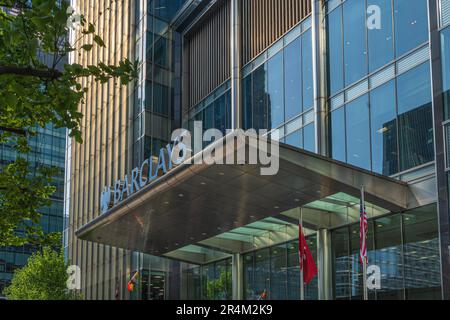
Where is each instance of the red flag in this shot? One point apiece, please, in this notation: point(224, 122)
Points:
point(307, 263)
point(132, 282)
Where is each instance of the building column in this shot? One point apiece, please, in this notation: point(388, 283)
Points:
point(236, 110)
point(320, 76)
point(237, 276)
point(324, 264)
point(439, 118)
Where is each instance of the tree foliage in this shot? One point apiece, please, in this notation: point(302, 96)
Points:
point(36, 91)
point(43, 278)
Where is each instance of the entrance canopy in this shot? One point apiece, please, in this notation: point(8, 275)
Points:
point(200, 213)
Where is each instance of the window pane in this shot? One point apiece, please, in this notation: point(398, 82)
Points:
point(208, 117)
point(411, 24)
point(356, 270)
point(358, 138)
point(388, 256)
point(295, 139)
point(445, 39)
point(293, 270)
point(275, 92)
point(293, 79)
point(259, 99)
point(308, 86)
point(415, 118)
point(384, 130)
point(249, 284)
point(262, 273)
point(220, 283)
point(355, 52)
point(220, 118)
point(340, 244)
point(247, 104)
point(422, 257)
point(335, 51)
point(338, 134)
point(381, 43)
point(309, 143)
point(278, 280)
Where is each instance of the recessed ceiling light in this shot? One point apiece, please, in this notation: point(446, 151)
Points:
point(181, 195)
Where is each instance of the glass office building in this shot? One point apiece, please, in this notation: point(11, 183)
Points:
point(358, 91)
point(47, 149)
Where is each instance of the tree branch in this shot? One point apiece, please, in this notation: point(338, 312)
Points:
point(12, 130)
point(30, 72)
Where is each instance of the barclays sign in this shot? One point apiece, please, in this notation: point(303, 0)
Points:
point(173, 154)
point(179, 151)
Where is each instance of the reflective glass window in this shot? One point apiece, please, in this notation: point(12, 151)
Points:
point(388, 256)
point(445, 42)
point(355, 52)
point(249, 281)
point(335, 51)
point(307, 63)
point(278, 277)
point(422, 256)
point(295, 139)
point(341, 265)
point(309, 142)
point(259, 98)
point(415, 117)
point(275, 92)
point(358, 134)
point(293, 79)
point(381, 41)
point(220, 114)
point(384, 129)
point(247, 103)
point(338, 143)
point(411, 24)
point(262, 273)
point(293, 272)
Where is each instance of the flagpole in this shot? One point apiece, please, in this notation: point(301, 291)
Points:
point(366, 294)
point(302, 280)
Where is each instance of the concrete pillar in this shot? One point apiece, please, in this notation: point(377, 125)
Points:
point(324, 264)
point(237, 269)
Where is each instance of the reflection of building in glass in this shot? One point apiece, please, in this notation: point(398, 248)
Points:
point(47, 149)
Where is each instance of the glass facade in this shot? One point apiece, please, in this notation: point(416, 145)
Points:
point(379, 124)
point(275, 272)
point(354, 50)
point(208, 282)
point(154, 113)
point(278, 90)
point(389, 129)
point(214, 111)
point(405, 247)
point(47, 149)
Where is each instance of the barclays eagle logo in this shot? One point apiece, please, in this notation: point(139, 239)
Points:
point(105, 200)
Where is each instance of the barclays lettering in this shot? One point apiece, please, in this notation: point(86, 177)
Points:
point(140, 177)
point(179, 151)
